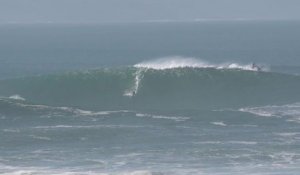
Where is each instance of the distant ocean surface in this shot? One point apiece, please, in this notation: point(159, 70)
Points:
point(173, 98)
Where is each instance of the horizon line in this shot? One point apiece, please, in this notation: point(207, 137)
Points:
point(150, 21)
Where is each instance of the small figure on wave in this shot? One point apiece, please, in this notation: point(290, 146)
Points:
point(255, 67)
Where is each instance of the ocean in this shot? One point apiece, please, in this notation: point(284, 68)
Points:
point(153, 98)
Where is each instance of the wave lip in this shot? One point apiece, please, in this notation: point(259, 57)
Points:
point(173, 62)
point(188, 62)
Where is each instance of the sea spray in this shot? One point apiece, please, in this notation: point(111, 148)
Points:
point(138, 76)
point(172, 62)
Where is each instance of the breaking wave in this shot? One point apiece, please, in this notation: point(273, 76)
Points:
point(182, 62)
point(166, 83)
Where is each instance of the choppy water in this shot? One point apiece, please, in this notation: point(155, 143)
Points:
point(172, 115)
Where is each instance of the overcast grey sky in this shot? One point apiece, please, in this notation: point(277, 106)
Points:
point(144, 10)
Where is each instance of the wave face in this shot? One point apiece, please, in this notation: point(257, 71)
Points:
point(181, 84)
point(164, 117)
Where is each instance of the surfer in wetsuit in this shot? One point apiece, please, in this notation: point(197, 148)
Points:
point(255, 67)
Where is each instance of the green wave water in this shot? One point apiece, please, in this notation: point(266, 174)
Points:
point(144, 88)
point(87, 111)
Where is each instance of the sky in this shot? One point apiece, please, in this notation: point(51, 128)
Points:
point(81, 11)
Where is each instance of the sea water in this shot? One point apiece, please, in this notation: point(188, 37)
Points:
point(150, 98)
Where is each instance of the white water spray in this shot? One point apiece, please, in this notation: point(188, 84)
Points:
point(137, 79)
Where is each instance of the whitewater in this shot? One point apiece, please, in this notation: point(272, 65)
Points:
point(150, 99)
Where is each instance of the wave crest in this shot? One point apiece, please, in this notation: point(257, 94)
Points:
point(139, 88)
point(188, 62)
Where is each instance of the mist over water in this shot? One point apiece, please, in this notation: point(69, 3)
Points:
point(150, 99)
point(51, 48)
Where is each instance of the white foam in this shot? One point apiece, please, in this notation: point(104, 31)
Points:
point(11, 130)
point(86, 112)
point(20, 172)
point(86, 126)
point(175, 118)
point(188, 62)
point(133, 154)
point(257, 111)
point(227, 142)
point(48, 172)
point(89, 113)
point(40, 137)
point(219, 123)
point(17, 97)
point(248, 125)
point(75, 111)
point(290, 110)
point(141, 172)
point(209, 142)
point(243, 142)
point(173, 62)
point(281, 158)
point(142, 115)
point(134, 89)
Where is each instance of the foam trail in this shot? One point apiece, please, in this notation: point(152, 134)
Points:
point(32, 171)
point(175, 118)
point(38, 107)
point(137, 79)
point(290, 110)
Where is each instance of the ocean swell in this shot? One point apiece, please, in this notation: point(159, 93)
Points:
point(161, 84)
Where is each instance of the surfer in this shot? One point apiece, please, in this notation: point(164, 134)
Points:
point(255, 67)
